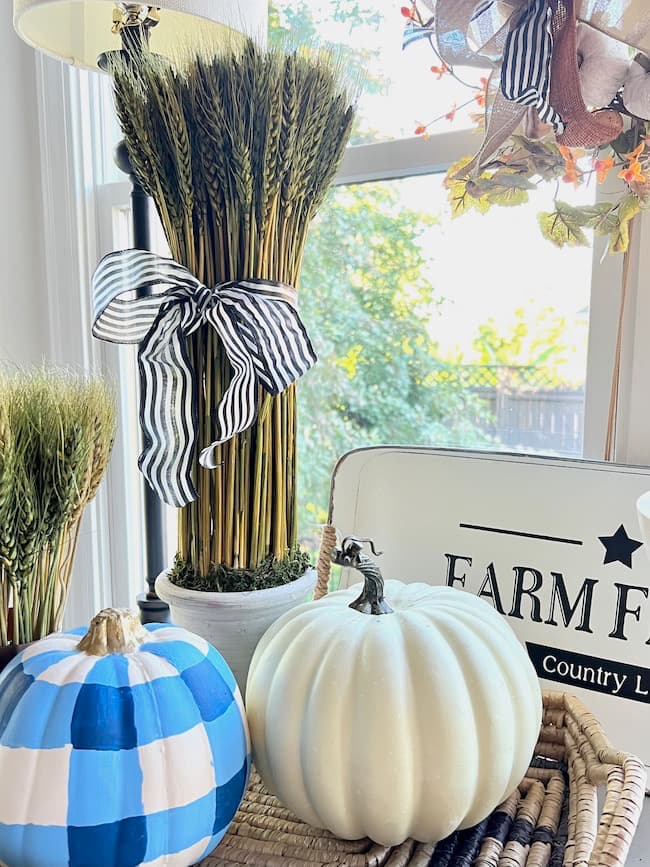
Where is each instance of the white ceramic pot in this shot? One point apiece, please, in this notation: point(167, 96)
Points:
point(233, 622)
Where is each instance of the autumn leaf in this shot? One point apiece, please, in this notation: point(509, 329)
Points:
point(464, 195)
point(508, 196)
point(515, 180)
point(633, 173)
point(602, 218)
point(454, 170)
point(620, 239)
point(572, 176)
point(480, 97)
point(504, 188)
point(545, 160)
point(627, 210)
point(535, 146)
point(603, 168)
point(439, 71)
point(563, 226)
point(636, 153)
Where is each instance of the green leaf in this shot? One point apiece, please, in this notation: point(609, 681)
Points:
point(570, 211)
point(515, 180)
point(562, 227)
point(508, 196)
point(627, 210)
point(602, 218)
point(620, 239)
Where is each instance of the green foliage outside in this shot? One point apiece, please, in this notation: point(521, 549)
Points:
point(302, 22)
point(536, 340)
point(367, 305)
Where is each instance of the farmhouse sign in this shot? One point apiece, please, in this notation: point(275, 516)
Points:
point(556, 546)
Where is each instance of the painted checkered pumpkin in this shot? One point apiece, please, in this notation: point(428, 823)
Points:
point(128, 747)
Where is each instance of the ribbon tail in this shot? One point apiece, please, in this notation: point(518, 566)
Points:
point(167, 411)
point(238, 406)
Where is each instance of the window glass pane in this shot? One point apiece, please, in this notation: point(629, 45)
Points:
point(401, 91)
point(105, 128)
point(431, 331)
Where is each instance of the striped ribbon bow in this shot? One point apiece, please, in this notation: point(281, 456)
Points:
point(264, 339)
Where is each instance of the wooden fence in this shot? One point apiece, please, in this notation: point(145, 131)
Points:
point(522, 407)
point(550, 420)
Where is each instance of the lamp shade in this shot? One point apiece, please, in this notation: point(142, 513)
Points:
point(78, 31)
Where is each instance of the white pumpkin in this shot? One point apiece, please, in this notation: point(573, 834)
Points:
point(412, 723)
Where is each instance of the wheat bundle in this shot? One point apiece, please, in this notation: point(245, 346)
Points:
point(56, 434)
point(237, 149)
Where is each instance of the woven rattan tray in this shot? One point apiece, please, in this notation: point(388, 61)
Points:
point(551, 819)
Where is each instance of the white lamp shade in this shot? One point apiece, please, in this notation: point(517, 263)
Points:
point(78, 31)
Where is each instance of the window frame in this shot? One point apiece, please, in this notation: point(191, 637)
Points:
point(81, 216)
point(109, 563)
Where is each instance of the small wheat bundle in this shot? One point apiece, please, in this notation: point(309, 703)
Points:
point(56, 434)
point(237, 150)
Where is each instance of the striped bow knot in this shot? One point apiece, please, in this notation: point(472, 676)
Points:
point(526, 65)
point(139, 297)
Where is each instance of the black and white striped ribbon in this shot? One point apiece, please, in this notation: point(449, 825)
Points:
point(264, 339)
point(526, 65)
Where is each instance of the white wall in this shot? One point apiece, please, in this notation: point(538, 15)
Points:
point(23, 312)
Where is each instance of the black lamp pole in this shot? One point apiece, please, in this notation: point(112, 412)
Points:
point(152, 609)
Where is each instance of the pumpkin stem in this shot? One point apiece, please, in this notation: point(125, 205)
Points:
point(113, 630)
point(371, 600)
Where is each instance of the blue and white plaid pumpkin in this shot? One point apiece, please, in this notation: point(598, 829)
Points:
point(131, 752)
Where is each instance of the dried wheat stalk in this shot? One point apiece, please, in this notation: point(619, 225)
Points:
point(237, 149)
point(56, 434)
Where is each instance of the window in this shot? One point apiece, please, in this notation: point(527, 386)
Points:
point(432, 331)
point(437, 332)
point(471, 333)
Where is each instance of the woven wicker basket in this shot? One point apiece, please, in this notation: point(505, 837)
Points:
point(552, 818)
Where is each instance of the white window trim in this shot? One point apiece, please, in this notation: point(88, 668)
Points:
point(633, 418)
point(80, 221)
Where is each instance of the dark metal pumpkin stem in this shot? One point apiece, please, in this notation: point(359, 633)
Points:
point(371, 600)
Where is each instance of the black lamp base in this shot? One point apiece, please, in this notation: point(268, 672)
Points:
point(153, 610)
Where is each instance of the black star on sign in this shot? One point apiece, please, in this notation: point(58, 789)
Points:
point(619, 547)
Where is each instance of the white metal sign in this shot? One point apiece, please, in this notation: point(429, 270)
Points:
point(555, 545)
